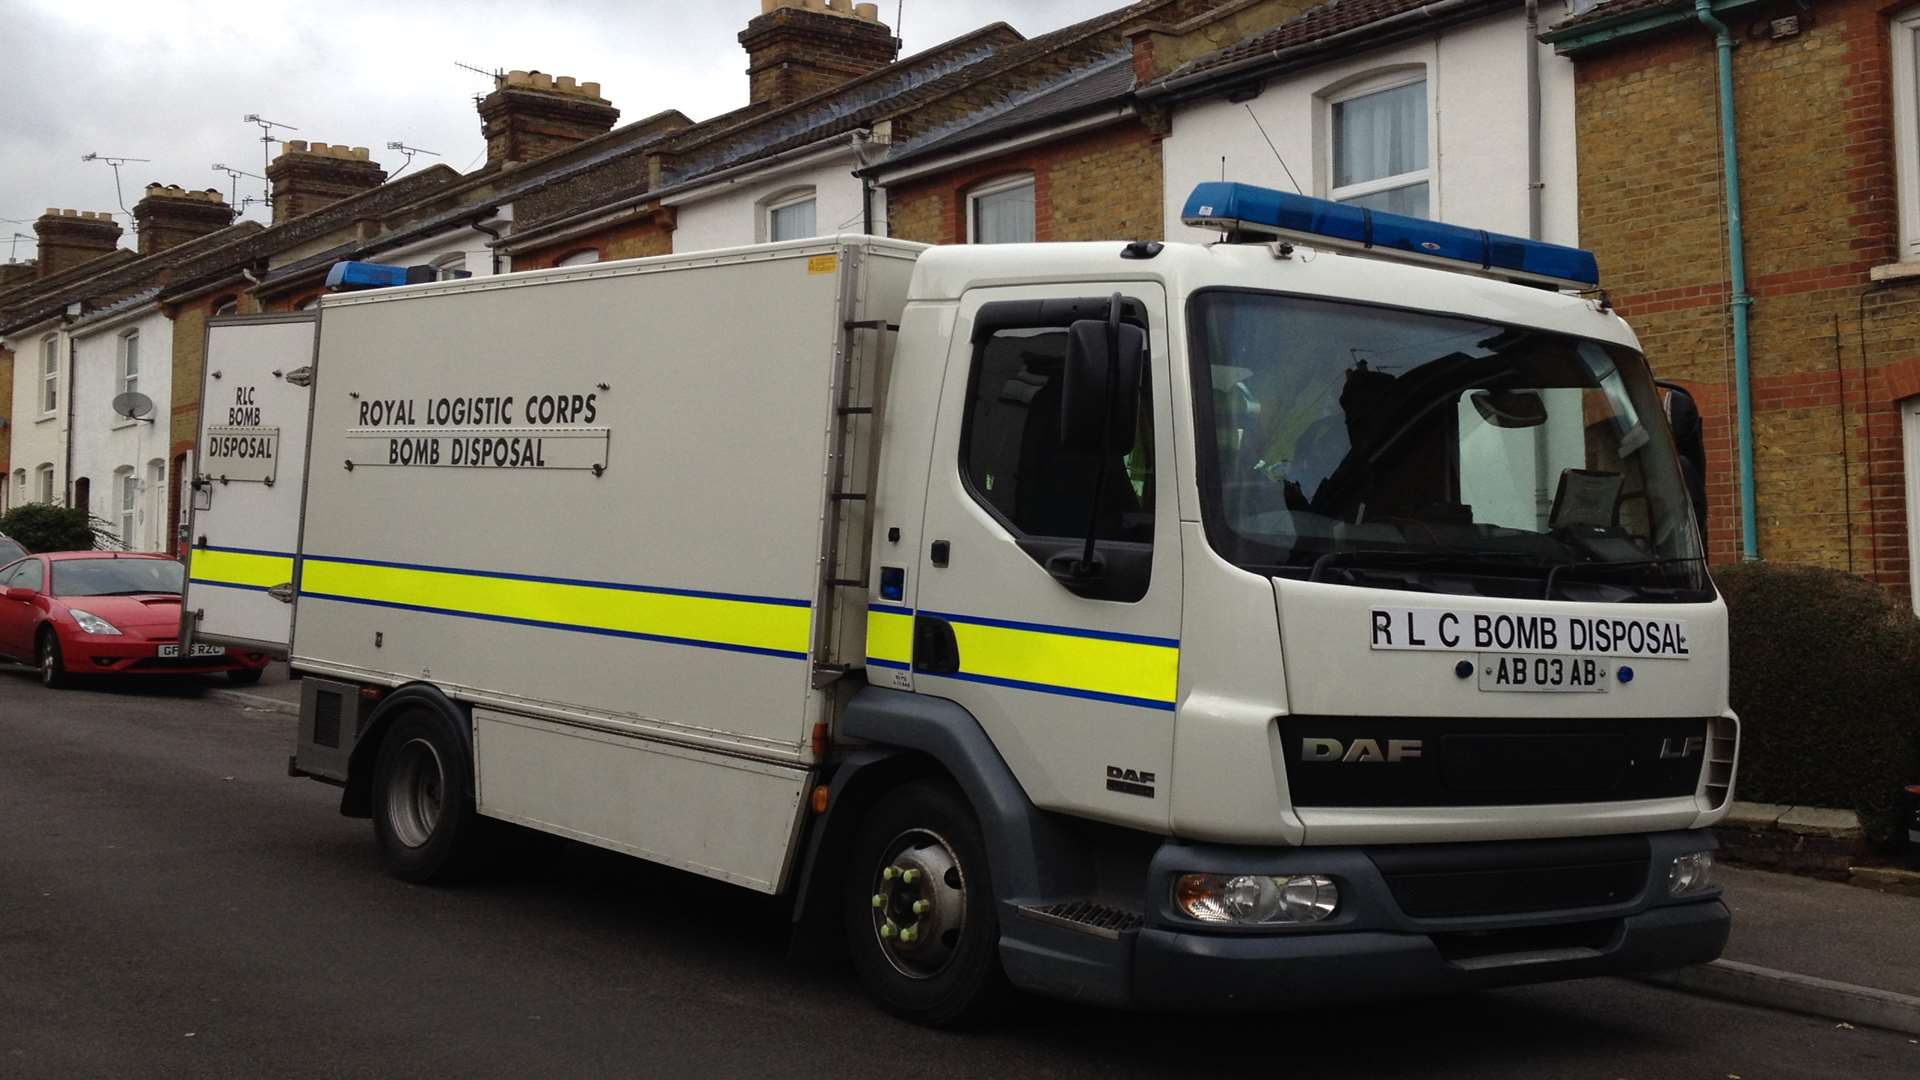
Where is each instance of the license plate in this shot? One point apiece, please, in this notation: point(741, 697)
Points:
point(172, 651)
point(1531, 673)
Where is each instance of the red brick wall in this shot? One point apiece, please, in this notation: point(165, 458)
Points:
point(1832, 351)
point(1102, 185)
point(627, 240)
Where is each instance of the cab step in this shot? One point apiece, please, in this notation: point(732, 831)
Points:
point(1088, 917)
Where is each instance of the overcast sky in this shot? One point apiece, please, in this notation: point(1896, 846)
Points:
point(169, 80)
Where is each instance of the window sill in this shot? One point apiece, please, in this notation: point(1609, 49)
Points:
point(1904, 270)
point(46, 418)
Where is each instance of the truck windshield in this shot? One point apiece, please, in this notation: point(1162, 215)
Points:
point(1352, 443)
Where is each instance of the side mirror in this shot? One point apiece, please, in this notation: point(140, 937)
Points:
point(22, 595)
point(1101, 385)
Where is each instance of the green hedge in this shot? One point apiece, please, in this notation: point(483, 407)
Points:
point(46, 527)
point(1826, 679)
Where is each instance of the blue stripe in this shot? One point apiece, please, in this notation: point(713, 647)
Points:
point(1063, 691)
point(244, 551)
point(663, 639)
point(229, 585)
point(1069, 631)
point(659, 590)
point(890, 609)
point(895, 664)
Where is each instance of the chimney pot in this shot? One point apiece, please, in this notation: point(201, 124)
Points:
point(314, 175)
point(69, 238)
point(532, 114)
point(172, 215)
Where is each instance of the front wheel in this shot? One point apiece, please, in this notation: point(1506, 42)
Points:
point(423, 814)
point(243, 676)
point(53, 666)
point(919, 908)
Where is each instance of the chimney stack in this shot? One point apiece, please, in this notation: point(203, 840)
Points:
point(310, 176)
point(531, 114)
point(170, 215)
point(71, 237)
point(798, 48)
point(14, 273)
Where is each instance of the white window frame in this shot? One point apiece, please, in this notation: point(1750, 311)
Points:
point(787, 200)
point(228, 307)
point(44, 476)
point(1374, 84)
point(126, 498)
point(583, 257)
point(49, 376)
point(445, 266)
point(1000, 187)
point(127, 347)
point(1906, 129)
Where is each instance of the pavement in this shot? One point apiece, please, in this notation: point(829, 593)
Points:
point(172, 904)
point(1824, 929)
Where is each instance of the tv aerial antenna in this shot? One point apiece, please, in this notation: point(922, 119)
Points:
point(13, 247)
point(267, 139)
point(498, 75)
point(234, 175)
point(408, 152)
point(114, 163)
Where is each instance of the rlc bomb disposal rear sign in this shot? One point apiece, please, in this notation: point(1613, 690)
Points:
point(544, 431)
point(241, 450)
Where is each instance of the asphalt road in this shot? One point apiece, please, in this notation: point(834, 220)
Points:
point(172, 904)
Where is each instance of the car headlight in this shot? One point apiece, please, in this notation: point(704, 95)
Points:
point(91, 623)
point(1691, 873)
point(1256, 900)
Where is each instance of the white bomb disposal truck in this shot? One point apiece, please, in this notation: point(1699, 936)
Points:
point(1231, 626)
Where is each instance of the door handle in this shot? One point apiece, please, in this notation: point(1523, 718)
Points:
point(939, 552)
point(935, 652)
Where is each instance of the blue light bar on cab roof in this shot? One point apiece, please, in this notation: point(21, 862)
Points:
point(1245, 209)
point(366, 275)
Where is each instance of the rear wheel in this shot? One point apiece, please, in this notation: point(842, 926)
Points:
point(423, 813)
point(920, 910)
point(53, 666)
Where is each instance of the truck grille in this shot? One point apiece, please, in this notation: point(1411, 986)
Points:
point(1454, 761)
point(1438, 881)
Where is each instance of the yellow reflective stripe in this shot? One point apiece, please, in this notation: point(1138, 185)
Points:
point(1098, 666)
point(238, 568)
point(890, 636)
point(731, 623)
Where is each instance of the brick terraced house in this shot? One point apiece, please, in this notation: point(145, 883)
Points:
point(1809, 174)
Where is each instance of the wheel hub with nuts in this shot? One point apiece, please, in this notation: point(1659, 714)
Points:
point(919, 904)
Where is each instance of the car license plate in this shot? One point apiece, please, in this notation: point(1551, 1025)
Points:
point(171, 651)
point(1528, 672)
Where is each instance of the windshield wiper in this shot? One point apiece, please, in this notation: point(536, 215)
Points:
point(1553, 575)
point(1465, 558)
point(137, 592)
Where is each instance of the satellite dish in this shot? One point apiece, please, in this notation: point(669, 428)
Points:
point(133, 405)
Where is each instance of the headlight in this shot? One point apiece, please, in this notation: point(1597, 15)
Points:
point(91, 623)
point(1254, 900)
point(1690, 874)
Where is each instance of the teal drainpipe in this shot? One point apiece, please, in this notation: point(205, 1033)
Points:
point(1737, 268)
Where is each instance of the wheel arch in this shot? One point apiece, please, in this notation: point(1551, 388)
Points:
point(357, 799)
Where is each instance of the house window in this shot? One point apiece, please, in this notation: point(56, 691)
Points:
point(50, 375)
point(129, 487)
point(311, 303)
point(1906, 128)
point(1910, 435)
point(154, 513)
point(45, 474)
point(130, 362)
point(451, 267)
point(227, 307)
point(1002, 212)
point(793, 217)
point(583, 257)
point(1379, 151)
point(83, 494)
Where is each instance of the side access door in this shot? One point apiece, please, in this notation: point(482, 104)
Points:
point(249, 475)
point(1072, 676)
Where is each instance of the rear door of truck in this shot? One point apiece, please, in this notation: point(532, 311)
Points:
point(249, 472)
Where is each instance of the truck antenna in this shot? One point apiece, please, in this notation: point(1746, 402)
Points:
point(1275, 149)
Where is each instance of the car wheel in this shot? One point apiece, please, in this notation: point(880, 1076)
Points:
point(244, 676)
point(53, 666)
point(423, 814)
point(919, 908)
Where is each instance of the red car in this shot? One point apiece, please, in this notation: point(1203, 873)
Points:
point(105, 613)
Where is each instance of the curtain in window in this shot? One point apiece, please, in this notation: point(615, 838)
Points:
point(1004, 217)
point(1380, 135)
point(792, 222)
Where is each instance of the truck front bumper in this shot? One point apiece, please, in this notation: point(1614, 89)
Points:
point(1187, 971)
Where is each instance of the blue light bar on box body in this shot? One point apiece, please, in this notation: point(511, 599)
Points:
point(366, 275)
point(1243, 208)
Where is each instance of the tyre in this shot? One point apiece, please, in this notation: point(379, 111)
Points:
point(244, 676)
point(423, 814)
point(53, 666)
point(919, 908)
